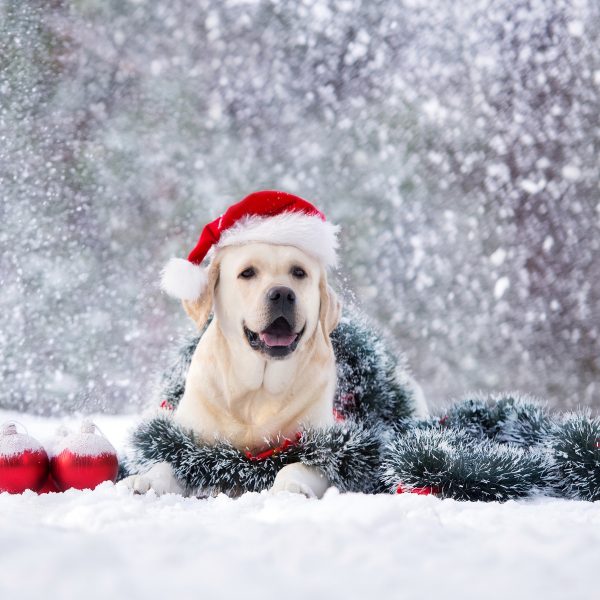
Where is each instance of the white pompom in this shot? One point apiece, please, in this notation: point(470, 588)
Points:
point(184, 280)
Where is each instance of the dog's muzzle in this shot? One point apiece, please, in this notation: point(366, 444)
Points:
point(280, 338)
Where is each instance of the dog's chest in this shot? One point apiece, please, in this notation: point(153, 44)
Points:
point(247, 422)
point(247, 419)
point(240, 397)
point(261, 414)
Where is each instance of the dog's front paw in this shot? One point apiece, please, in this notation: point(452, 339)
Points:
point(159, 478)
point(138, 484)
point(300, 479)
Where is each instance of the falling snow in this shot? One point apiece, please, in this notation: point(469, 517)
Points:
point(457, 145)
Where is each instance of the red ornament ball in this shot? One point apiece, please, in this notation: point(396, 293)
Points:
point(421, 491)
point(49, 486)
point(84, 460)
point(23, 461)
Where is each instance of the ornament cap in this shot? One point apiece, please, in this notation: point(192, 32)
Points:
point(88, 426)
point(9, 428)
point(62, 431)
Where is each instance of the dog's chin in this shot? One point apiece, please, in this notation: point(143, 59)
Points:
point(277, 341)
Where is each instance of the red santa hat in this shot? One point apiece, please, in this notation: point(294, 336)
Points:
point(268, 216)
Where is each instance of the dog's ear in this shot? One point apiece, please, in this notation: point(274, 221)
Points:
point(199, 310)
point(331, 307)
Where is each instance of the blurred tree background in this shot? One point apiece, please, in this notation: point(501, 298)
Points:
point(456, 142)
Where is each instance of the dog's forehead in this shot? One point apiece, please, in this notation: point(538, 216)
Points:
point(272, 257)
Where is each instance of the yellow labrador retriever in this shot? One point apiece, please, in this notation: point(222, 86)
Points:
point(265, 365)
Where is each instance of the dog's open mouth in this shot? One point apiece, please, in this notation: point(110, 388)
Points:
point(277, 340)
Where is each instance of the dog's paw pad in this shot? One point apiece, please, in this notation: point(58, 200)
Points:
point(293, 486)
point(141, 485)
point(137, 484)
point(300, 479)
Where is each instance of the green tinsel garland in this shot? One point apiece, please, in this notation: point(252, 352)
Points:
point(373, 392)
point(497, 448)
point(482, 448)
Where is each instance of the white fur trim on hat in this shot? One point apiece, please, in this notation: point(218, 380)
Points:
point(307, 232)
point(184, 280)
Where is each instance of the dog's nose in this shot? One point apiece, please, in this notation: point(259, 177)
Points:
point(281, 295)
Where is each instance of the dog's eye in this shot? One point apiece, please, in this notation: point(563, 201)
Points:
point(248, 273)
point(298, 272)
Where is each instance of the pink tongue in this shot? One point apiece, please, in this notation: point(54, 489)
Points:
point(276, 340)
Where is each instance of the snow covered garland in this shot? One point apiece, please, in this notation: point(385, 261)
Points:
point(496, 448)
point(368, 398)
point(502, 447)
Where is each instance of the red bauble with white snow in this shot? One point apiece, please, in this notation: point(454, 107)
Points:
point(23, 461)
point(49, 486)
point(83, 460)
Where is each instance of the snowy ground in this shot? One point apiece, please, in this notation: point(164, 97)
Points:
point(109, 544)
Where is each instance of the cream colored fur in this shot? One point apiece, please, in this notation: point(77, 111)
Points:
point(236, 393)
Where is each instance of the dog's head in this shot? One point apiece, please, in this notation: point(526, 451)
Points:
point(271, 298)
